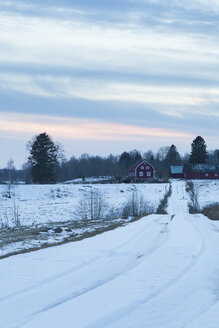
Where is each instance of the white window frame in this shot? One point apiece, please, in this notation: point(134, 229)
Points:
point(147, 167)
point(142, 167)
point(141, 174)
point(148, 174)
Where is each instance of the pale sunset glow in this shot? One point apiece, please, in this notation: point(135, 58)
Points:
point(82, 129)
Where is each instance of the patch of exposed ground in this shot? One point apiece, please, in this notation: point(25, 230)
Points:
point(164, 202)
point(211, 211)
point(21, 240)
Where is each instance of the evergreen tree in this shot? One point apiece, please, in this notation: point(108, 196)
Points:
point(199, 152)
point(125, 160)
point(172, 157)
point(216, 156)
point(43, 159)
point(135, 157)
point(128, 159)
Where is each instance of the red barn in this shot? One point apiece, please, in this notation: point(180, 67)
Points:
point(142, 171)
point(201, 171)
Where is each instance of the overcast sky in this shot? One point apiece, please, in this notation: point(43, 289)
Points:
point(103, 76)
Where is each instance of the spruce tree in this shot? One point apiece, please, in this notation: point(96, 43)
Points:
point(125, 160)
point(135, 157)
point(172, 157)
point(199, 152)
point(43, 159)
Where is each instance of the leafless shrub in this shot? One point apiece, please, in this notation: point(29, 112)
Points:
point(9, 214)
point(16, 217)
point(4, 221)
point(92, 205)
point(113, 213)
point(136, 206)
point(58, 193)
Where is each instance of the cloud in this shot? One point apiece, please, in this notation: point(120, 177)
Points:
point(78, 43)
point(104, 64)
point(61, 43)
point(169, 100)
point(199, 5)
point(163, 57)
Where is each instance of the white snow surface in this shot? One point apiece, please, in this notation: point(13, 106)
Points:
point(38, 204)
point(159, 272)
point(207, 191)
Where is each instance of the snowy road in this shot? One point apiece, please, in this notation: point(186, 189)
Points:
point(159, 272)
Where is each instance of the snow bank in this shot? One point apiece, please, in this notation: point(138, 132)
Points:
point(207, 191)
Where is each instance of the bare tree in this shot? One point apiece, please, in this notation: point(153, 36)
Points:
point(136, 206)
point(11, 175)
point(92, 205)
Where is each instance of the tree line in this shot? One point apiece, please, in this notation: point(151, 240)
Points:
point(47, 163)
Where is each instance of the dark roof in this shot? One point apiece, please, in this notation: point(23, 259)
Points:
point(143, 163)
point(133, 168)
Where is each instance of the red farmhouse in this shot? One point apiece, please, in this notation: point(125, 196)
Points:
point(142, 171)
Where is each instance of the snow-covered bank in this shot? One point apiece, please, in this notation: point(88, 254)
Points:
point(207, 192)
point(159, 272)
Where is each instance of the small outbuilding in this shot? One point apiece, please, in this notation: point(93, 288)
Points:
point(176, 172)
point(142, 171)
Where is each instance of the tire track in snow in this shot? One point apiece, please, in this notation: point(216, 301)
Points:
point(203, 312)
point(71, 270)
point(100, 283)
point(178, 201)
point(110, 319)
point(175, 205)
point(82, 291)
point(105, 281)
point(48, 280)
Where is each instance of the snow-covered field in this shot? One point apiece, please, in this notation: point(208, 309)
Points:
point(36, 204)
point(207, 191)
point(52, 214)
point(159, 272)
